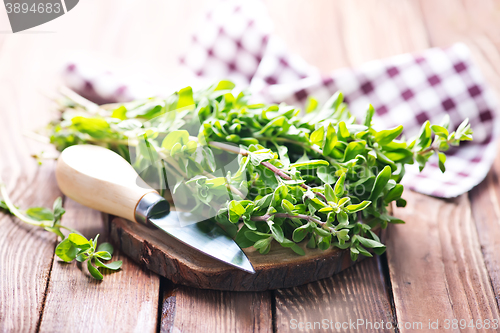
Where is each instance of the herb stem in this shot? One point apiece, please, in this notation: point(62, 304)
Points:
point(314, 148)
point(16, 212)
point(275, 170)
point(69, 229)
point(290, 216)
point(428, 149)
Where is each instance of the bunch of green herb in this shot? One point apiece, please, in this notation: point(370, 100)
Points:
point(71, 247)
point(318, 179)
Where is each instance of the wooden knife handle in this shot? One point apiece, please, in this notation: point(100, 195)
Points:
point(100, 179)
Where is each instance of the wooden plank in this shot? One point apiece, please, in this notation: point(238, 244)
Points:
point(337, 303)
point(485, 201)
point(124, 301)
point(436, 266)
point(186, 309)
point(26, 252)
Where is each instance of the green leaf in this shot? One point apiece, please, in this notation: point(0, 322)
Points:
point(442, 160)
point(441, 131)
point(174, 137)
point(82, 257)
point(343, 131)
point(311, 104)
point(380, 182)
point(255, 236)
point(297, 249)
point(300, 233)
point(236, 210)
point(77, 239)
point(287, 206)
point(311, 244)
point(58, 209)
point(342, 217)
point(327, 174)
point(329, 193)
point(353, 149)
point(330, 140)
point(324, 243)
point(40, 214)
point(343, 234)
point(362, 251)
point(369, 115)
point(94, 271)
point(424, 138)
point(263, 245)
point(356, 208)
point(185, 98)
point(257, 157)
point(115, 265)
point(354, 253)
point(277, 232)
point(394, 194)
point(317, 136)
point(401, 202)
point(280, 193)
point(370, 243)
point(96, 127)
point(66, 251)
point(120, 113)
point(106, 247)
point(105, 255)
point(386, 136)
point(224, 85)
point(312, 164)
point(339, 186)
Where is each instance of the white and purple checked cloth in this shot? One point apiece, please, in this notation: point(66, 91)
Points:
point(235, 42)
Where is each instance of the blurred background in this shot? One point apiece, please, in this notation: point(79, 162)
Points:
point(147, 37)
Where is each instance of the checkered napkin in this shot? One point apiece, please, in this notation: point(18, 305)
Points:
point(235, 41)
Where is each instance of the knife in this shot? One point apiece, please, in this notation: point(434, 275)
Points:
point(101, 179)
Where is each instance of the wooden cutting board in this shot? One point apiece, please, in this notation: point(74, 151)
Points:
point(280, 268)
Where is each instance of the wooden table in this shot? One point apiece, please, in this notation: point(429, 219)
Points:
point(443, 264)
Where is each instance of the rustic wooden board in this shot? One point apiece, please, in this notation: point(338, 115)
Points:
point(281, 268)
point(435, 259)
point(186, 309)
point(25, 252)
point(358, 293)
point(126, 300)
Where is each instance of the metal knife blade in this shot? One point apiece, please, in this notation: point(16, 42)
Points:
point(203, 236)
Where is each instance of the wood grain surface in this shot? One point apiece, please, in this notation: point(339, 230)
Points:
point(186, 309)
point(485, 201)
point(358, 293)
point(451, 260)
point(25, 252)
point(436, 259)
point(126, 300)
